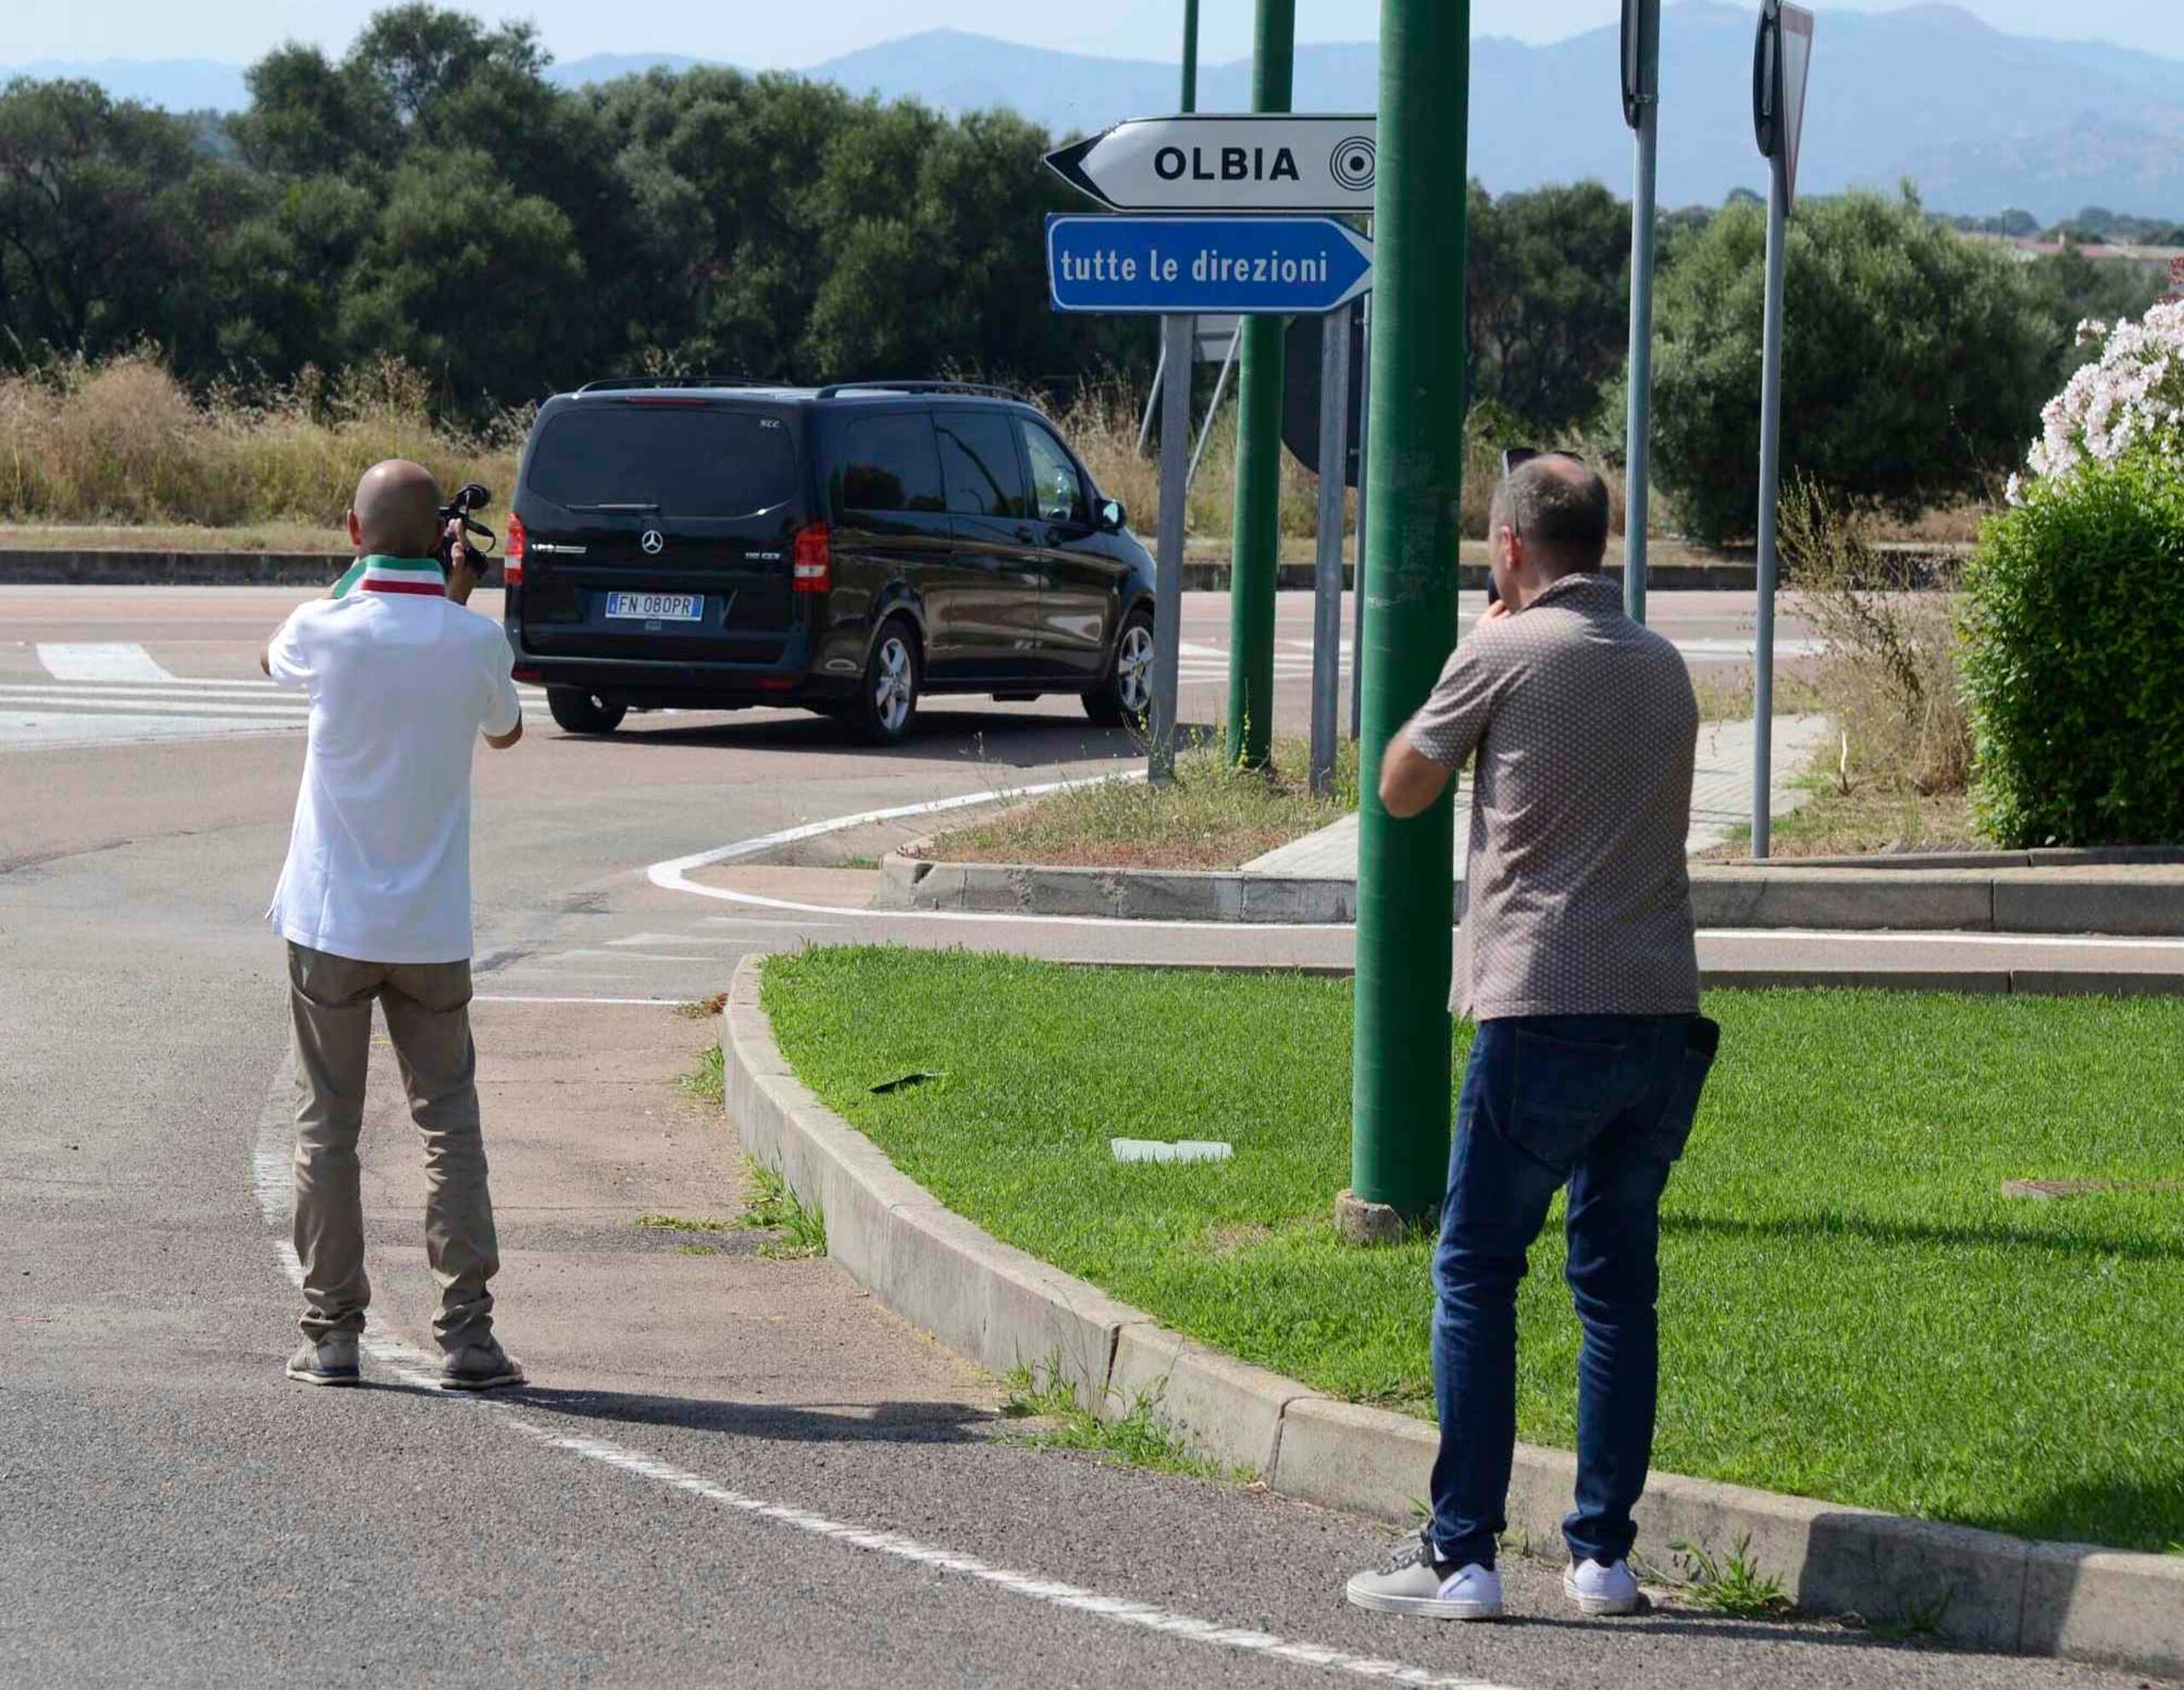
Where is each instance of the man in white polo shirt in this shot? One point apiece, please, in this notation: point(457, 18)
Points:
point(375, 902)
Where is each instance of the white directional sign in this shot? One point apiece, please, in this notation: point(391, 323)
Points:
point(1227, 163)
point(1796, 59)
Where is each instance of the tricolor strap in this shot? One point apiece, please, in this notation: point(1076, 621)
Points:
point(377, 574)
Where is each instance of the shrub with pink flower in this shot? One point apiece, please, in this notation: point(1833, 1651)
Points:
point(2129, 399)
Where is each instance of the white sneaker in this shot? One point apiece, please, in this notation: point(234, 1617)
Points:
point(1410, 1585)
point(1602, 1590)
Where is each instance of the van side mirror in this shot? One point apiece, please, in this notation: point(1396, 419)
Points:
point(1113, 516)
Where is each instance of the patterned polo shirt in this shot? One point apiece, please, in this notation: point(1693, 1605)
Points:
point(1586, 727)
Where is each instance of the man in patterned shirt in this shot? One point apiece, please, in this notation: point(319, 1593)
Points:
point(1576, 959)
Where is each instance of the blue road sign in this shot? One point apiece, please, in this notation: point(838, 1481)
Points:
point(1284, 266)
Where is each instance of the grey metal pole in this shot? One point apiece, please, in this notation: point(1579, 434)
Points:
point(1638, 438)
point(1176, 335)
point(1326, 571)
point(1770, 434)
point(1357, 575)
point(1153, 398)
point(1220, 387)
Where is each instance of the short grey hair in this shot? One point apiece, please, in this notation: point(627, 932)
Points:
point(1559, 506)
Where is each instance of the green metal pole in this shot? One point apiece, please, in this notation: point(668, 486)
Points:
point(1255, 540)
point(1399, 1142)
point(1190, 55)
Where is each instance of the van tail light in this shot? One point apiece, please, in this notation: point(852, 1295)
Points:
point(813, 568)
point(512, 552)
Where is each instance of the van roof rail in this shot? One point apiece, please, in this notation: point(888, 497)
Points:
point(610, 382)
point(984, 389)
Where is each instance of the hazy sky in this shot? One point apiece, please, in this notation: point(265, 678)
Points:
point(760, 33)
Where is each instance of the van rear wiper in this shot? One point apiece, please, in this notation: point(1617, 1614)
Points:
point(634, 504)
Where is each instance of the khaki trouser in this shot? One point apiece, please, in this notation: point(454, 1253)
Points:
point(427, 1011)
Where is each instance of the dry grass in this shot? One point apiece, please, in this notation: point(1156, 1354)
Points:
point(1214, 815)
point(1862, 820)
point(124, 442)
point(1890, 675)
point(301, 538)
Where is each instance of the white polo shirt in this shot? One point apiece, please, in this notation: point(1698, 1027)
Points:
point(402, 681)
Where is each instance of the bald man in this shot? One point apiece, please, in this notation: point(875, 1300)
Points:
point(375, 904)
point(1576, 959)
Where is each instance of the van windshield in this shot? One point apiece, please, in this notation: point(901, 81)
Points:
point(677, 460)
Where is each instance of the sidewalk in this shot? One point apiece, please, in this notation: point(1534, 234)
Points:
point(1720, 800)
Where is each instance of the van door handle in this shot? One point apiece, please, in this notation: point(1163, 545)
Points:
point(1025, 535)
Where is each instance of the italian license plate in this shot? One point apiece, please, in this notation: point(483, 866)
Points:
point(655, 607)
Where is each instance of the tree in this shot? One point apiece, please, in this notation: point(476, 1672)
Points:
point(102, 223)
point(1915, 361)
point(1547, 299)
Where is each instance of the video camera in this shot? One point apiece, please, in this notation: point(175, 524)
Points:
point(472, 497)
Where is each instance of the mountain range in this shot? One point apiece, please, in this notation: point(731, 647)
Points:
point(1979, 120)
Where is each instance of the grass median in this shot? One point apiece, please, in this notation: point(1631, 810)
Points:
point(1852, 1309)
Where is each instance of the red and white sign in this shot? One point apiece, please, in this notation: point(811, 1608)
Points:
point(1796, 59)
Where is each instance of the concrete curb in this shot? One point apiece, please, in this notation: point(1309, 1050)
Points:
point(2106, 898)
point(33, 568)
point(1005, 1308)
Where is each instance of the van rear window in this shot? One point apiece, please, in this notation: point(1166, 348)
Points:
point(683, 461)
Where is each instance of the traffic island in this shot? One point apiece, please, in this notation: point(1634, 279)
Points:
point(1853, 1310)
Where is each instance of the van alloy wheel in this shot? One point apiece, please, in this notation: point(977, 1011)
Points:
point(1134, 669)
point(892, 683)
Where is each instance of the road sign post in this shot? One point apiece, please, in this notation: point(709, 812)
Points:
point(1177, 335)
point(1255, 530)
point(1781, 57)
point(1357, 569)
point(1401, 1073)
point(1327, 573)
point(1641, 106)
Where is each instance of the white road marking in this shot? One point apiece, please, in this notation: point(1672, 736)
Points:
point(100, 662)
point(29, 729)
point(646, 1003)
point(674, 875)
point(271, 1182)
point(97, 699)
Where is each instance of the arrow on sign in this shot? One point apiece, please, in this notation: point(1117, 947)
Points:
point(1227, 163)
point(1251, 265)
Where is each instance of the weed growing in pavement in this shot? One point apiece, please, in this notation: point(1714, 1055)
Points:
point(682, 1223)
point(1731, 1583)
point(774, 1207)
point(708, 1081)
point(703, 1009)
point(1916, 1622)
point(695, 1250)
point(1138, 1437)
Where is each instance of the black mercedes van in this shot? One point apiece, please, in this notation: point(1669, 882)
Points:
point(849, 548)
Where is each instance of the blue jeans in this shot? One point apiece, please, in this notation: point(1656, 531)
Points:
point(1604, 1104)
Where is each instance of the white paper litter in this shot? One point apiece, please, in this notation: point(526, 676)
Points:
point(1183, 1150)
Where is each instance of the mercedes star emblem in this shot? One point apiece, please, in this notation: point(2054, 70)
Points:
point(654, 542)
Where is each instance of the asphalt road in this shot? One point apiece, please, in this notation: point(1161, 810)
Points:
point(732, 1469)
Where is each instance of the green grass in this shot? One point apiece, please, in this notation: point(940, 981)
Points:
point(708, 1081)
point(1213, 815)
point(1139, 1438)
point(773, 1207)
point(1851, 1310)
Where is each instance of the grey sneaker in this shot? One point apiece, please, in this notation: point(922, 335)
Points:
point(331, 1359)
point(483, 1366)
point(1410, 1585)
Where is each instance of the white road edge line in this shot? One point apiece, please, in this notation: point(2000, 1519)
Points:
point(271, 1183)
point(674, 875)
point(1897, 936)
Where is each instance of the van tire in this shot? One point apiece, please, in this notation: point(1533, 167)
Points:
point(1124, 695)
point(578, 711)
point(886, 707)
